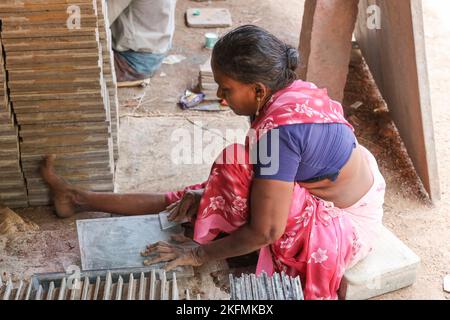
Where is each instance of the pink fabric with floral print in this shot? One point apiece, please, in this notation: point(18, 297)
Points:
point(320, 241)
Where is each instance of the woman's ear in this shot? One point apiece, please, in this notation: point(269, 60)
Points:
point(261, 91)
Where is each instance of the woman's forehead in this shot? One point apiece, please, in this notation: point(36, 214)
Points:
point(222, 79)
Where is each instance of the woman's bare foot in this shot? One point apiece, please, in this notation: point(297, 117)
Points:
point(63, 193)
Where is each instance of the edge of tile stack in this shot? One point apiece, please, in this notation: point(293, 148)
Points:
point(206, 82)
point(58, 93)
point(13, 192)
point(109, 74)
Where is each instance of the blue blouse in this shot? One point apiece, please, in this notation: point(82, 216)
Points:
point(305, 153)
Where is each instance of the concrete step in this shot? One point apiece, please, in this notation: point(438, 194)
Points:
point(389, 267)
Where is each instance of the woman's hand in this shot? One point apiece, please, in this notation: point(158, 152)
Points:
point(186, 208)
point(174, 254)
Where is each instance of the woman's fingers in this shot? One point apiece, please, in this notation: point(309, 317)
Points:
point(156, 247)
point(172, 205)
point(164, 257)
point(186, 258)
point(174, 211)
point(183, 209)
point(174, 263)
point(179, 213)
point(192, 211)
point(159, 243)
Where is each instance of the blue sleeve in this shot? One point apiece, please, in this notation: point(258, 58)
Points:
point(278, 157)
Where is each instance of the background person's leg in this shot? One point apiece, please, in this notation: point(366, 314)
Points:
point(141, 36)
point(145, 26)
point(115, 8)
point(154, 23)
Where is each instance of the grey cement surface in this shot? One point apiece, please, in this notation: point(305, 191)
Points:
point(113, 243)
point(149, 147)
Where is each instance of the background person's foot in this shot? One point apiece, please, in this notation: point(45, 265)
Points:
point(134, 68)
point(63, 194)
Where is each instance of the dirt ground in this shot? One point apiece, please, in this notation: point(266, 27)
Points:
point(422, 226)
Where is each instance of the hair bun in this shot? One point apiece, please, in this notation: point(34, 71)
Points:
point(292, 58)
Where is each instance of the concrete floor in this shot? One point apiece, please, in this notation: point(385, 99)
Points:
point(148, 115)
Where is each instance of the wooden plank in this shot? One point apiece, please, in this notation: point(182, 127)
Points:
point(50, 60)
point(42, 85)
point(39, 143)
point(58, 96)
point(13, 195)
point(34, 177)
point(12, 185)
point(36, 192)
point(58, 117)
point(28, 2)
point(55, 32)
point(6, 164)
point(16, 203)
point(55, 73)
point(44, 20)
point(72, 152)
point(19, 8)
point(55, 45)
point(44, 150)
point(79, 164)
point(396, 57)
point(99, 128)
point(48, 39)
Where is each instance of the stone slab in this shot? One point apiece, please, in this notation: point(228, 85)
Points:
point(208, 18)
point(389, 267)
point(396, 57)
point(112, 243)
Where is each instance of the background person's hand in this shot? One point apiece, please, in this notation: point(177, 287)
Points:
point(185, 208)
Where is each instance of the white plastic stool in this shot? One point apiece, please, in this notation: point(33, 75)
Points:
point(389, 267)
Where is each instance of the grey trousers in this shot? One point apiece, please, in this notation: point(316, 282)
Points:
point(142, 25)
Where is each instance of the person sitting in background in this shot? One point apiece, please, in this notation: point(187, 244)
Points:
point(142, 33)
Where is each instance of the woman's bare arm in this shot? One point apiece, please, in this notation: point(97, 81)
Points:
point(270, 204)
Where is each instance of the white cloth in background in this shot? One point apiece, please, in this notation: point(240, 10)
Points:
point(142, 25)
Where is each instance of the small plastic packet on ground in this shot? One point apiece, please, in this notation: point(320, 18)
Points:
point(190, 99)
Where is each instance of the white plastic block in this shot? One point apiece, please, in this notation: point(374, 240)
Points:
point(389, 267)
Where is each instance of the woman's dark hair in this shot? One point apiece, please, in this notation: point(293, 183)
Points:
point(250, 54)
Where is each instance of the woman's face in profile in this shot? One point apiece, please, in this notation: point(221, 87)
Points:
point(241, 97)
